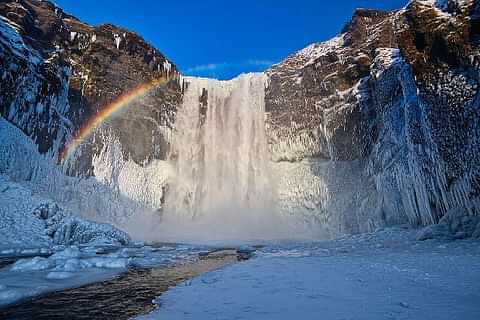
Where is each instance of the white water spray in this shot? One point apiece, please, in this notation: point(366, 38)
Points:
point(223, 189)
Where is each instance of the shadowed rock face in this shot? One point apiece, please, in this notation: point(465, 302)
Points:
point(397, 93)
point(68, 71)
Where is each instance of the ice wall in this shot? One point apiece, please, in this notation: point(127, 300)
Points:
point(411, 176)
point(143, 184)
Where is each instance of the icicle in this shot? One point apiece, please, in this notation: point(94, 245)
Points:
point(118, 40)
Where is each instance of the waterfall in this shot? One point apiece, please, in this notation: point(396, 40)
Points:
point(223, 187)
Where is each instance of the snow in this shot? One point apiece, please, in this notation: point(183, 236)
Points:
point(35, 264)
point(20, 285)
point(20, 252)
point(384, 275)
point(27, 220)
point(144, 184)
point(55, 275)
point(18, 226)
point(317, 50)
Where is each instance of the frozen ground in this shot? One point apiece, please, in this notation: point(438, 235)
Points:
point(385, 275)
point(74, 266)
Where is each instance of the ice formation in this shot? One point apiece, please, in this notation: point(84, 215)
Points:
point(223, 187)
point(33, 180)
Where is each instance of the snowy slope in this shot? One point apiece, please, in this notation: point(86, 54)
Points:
point(19, 226)
point(31, 221)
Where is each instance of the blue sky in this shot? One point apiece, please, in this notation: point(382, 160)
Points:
point(220, 39)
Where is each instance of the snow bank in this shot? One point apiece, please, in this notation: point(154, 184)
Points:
point(27, 220)
point(19, 226)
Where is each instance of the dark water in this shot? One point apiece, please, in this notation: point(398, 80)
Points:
point(126, 296)
point(7, 261)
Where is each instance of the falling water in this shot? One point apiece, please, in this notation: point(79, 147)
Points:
point(223, 188)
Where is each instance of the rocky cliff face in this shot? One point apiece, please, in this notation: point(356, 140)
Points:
point(57, 73)
point(383, 120)
point(310, 84)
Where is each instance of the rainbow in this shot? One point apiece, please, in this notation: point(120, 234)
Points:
point(116, 106)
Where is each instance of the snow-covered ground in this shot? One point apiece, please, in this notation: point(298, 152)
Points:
point(383, 275)
point(74, 266)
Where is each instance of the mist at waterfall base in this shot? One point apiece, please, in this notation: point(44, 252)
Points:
point(223, 189)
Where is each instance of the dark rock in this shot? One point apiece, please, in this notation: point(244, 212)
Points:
point(245, 253)
point(307, 92)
